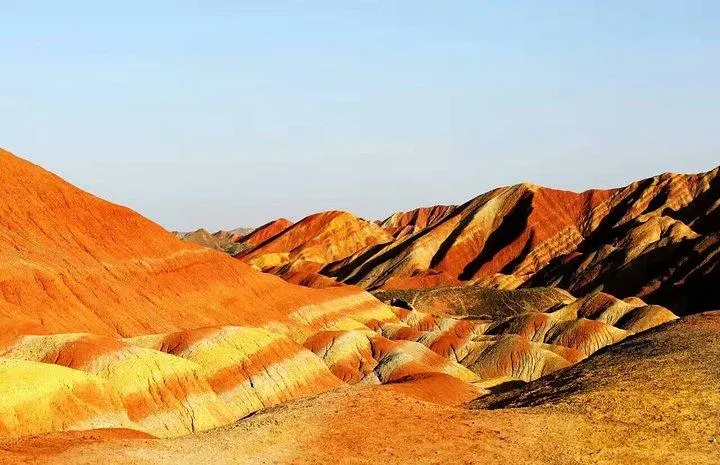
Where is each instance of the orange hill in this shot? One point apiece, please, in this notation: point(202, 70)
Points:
point(315, 241)
point(71, 262)
point(526, 235)
point(265, 232)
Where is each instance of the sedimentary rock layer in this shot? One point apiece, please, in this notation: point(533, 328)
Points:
point(71, 262)
point(657, 238)
point(315, 241)
point(663, 409)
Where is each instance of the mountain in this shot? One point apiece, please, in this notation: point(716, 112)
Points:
point(314, 242)
point(657, 239)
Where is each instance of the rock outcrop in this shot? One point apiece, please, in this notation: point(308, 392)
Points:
point(657, 238)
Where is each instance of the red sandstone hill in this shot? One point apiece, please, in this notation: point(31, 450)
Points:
point(264, 232)
point(657, 239)
point(70, 261)
point(315, 241)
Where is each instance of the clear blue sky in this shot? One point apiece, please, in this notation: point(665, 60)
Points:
point(231, 113)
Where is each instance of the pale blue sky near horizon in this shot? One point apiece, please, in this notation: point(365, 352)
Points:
point(228, 113)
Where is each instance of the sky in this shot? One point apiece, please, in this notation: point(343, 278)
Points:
point(224, 114)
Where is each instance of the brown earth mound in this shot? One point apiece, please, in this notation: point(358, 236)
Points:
point(477, 302)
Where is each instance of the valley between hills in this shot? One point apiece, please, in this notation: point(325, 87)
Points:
point(527, 325)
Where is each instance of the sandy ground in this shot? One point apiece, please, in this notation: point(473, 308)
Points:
point(379, 425)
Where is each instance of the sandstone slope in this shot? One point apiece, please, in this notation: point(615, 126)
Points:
point(78, 274)
point(657, 238)
point(264, 232)
point(315, 241)
point(407, 223)
point(663, 409)
point(71, 262)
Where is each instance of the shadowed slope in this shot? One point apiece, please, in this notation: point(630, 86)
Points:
point(512, 229)
point(673, 367)
point(476, 301)
point(661, 243)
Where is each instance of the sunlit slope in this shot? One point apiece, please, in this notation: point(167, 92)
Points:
point(71, 262)
point(315, 241)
